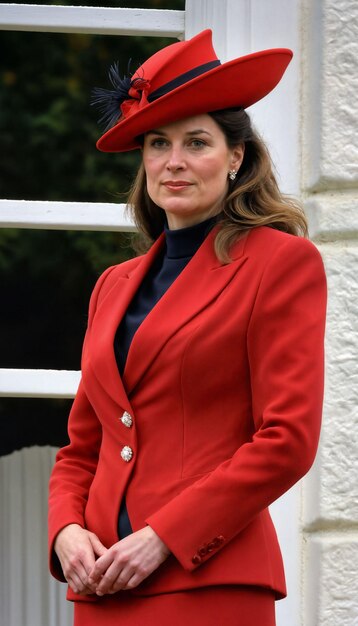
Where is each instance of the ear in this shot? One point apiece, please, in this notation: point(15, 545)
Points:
point(237, 156)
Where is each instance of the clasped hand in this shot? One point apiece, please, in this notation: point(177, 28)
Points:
point(89, 567)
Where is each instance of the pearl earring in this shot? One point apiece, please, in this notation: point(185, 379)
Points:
point(232, 174)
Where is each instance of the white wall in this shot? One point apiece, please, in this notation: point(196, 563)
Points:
point(310, 123)
point(330, 186)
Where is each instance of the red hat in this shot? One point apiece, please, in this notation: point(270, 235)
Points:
point(181, 80)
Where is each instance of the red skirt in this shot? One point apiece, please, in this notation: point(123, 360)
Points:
point(228, 605)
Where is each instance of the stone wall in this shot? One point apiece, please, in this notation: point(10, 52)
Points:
point(330, 187)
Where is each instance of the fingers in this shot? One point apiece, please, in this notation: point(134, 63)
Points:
point(133, 582)
point(125, 582)
point(78, 583)
point(113, 580)
point(74, 549)
point(127, 563)
point(124, 566)
point(76, 568)
point(116, 579)
point(114, 570)
point(98, 548)
point(106, 571)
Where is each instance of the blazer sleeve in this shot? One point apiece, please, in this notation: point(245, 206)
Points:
point(285, 349)
point(76, 463)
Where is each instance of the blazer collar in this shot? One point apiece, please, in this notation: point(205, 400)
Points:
point(201, 281)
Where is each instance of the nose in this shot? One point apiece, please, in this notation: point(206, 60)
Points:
point(176, 159)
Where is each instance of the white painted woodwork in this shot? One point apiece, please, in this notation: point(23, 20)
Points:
point(64, 215)
point(29, 596)
point(26, 383)
point(241, 27)
point(230, 22)
point(95, 20)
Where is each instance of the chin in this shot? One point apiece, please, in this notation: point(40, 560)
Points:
point(178, 211)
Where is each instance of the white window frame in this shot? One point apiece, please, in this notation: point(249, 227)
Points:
point(34, 383)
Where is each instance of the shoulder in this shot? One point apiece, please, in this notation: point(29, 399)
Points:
point(290, 275)
point(284, 262)
point(272, 239)
point(268, 244)
point(278, 258)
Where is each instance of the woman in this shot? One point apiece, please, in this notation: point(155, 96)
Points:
point(202, 369)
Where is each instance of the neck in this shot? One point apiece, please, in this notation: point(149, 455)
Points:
point(176, 222)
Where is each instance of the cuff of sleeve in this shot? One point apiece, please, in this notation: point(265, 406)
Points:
point(192, 557)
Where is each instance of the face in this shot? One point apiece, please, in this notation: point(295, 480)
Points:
point(187, 165)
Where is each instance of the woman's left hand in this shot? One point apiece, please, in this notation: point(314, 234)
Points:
point(128, 562)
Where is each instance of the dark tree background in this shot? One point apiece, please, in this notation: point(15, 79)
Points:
point(48, 132)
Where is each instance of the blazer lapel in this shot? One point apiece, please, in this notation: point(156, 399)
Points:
point(196, 287)
point(100, 354)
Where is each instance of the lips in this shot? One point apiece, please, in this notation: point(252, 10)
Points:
point(176, 184)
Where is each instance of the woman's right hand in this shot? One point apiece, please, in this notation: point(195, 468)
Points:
point(77, 550)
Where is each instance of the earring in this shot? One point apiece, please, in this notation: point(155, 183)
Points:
point(232, 174)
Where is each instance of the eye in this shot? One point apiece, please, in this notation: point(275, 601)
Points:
point(197, 144)
point(158, 142)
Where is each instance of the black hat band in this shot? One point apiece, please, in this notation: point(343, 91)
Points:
point(182, 79)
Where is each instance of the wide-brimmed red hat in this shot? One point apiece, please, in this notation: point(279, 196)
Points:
point(181, 80)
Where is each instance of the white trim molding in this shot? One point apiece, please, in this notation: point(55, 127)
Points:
point(95, 20)
point(64, 215)
point(26, 383)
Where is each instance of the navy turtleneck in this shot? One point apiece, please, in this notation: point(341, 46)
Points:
point(180, 247)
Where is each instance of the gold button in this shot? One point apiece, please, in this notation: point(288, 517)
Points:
point(126, 453)
point(126, 419)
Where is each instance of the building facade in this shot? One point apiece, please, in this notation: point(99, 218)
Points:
point(310, 124)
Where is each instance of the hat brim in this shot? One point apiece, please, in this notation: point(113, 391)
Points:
point(237, 83)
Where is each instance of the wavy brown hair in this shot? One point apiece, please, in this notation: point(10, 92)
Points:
point(253, 198)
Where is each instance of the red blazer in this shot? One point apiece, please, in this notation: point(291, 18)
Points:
point(224, 384)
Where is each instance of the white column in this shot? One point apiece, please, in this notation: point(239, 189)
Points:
point(244, 26)
point(330, 183)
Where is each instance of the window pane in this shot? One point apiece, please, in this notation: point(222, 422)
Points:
point(47, 279)
point(32, 421)
point(48, 128)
